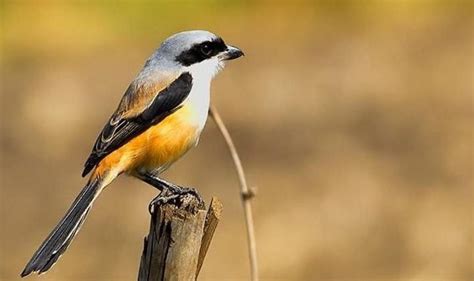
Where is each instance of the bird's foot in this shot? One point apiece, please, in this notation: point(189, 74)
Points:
point(171, 193)
point(161, 199)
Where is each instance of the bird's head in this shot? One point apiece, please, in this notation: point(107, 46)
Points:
point(197, 51)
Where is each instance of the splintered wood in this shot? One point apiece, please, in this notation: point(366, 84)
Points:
point(178, 240)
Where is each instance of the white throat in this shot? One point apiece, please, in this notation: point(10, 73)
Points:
point(199, 97)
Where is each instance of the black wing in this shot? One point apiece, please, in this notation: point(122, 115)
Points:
point(120, 130)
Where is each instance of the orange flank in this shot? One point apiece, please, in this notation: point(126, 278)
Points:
point(156, 148)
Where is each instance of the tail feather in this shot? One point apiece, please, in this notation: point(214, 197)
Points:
point(62, 235)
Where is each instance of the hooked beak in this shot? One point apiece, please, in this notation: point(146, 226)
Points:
point(231, 53)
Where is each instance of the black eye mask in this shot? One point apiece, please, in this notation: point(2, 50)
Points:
point(201, 51)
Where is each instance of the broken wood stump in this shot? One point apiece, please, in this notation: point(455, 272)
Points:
point(180, 234)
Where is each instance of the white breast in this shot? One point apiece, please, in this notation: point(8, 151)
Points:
point(199, 97)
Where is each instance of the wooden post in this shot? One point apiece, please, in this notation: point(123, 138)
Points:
point(180, 233)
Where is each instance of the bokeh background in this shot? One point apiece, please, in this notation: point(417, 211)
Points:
point(354, 120)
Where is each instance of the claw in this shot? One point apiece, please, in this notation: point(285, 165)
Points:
point(175, 189)
point(173, 194)
point(161, 199)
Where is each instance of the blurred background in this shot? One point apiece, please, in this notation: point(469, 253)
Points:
point(353, 119)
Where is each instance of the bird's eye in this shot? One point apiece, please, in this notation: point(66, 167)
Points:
point(206, 49)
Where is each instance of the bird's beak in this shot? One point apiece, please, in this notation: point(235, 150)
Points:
point(231, 53)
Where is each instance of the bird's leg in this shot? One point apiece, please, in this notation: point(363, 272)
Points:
point(175, 189)
point(169, 191)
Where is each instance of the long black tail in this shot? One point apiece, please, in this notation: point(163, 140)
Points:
point(61, 236)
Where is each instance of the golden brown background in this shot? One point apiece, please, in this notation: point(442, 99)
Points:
point(353, 119)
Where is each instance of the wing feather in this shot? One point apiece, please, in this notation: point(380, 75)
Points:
point(127, 123)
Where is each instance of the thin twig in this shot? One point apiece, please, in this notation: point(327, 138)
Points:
point(246, 193)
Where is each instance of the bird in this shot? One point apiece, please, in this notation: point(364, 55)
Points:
point(159, 118)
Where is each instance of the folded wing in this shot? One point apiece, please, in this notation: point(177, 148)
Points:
point(140, 108)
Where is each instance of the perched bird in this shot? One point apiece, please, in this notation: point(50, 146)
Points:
point(159, 118)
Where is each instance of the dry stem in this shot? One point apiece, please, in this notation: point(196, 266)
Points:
point(246, 193)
